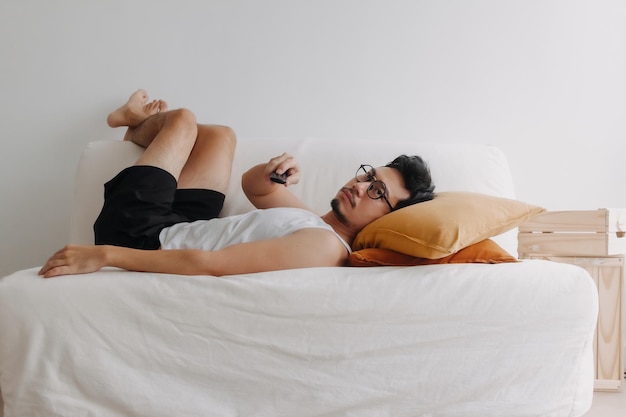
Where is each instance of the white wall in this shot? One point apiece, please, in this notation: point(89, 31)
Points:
point(543, 80)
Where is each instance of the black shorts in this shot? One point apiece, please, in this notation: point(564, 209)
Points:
point(143, 200)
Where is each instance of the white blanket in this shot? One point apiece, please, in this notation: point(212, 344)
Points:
point(442, 340)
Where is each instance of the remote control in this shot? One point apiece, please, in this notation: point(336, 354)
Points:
point(278, 178)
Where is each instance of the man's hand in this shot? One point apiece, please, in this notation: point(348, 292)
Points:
point(74, 259)
point(263, 193)
point(284, 163)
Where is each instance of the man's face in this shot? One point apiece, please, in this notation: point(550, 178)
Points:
point(355, 208)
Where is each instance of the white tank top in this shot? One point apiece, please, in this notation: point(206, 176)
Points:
point(216, 234)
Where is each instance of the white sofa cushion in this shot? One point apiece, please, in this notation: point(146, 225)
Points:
point(326, 165)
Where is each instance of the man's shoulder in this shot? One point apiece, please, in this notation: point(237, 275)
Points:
point(323, 239)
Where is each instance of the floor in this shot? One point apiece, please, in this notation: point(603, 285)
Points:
point(608, 404)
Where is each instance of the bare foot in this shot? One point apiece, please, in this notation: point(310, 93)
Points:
point(151, 108)
point(154, 107)
point(135, 110)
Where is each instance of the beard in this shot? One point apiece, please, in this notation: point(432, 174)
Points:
point(334, 205)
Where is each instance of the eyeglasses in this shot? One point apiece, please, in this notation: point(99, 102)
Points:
point(377, 189)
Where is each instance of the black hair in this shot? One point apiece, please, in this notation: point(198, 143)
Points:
point(417, 179)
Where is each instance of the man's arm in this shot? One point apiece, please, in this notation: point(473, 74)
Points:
point(264, 193)
point(303, 249)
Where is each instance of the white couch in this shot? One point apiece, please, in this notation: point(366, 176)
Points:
point(511, 339)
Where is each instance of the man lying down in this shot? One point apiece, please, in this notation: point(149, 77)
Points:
point(161, 214)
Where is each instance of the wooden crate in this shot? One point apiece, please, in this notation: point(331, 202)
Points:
point(596, 241)
point(588, 232)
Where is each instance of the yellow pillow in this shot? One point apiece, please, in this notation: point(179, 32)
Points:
point(485, 252)
point(451, 221)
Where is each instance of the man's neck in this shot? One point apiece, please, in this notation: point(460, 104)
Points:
point(339, 227)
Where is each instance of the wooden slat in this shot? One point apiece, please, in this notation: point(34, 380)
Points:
point(567, 221)
point(610, 220)
point(566, 244)
point(609, 323)
point(607, 385)
point(572, 244)
point(586, 262)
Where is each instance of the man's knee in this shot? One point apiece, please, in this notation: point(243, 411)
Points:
point(229, 136)
point(219, 134)
point(184, 118)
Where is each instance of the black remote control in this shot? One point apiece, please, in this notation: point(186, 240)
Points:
point(278, 178)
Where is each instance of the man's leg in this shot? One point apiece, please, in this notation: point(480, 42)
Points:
point(208, 164)
point(196, 156)
point(167, 136)
point(172, 145)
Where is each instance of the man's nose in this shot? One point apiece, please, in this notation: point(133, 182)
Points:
point(361, 188)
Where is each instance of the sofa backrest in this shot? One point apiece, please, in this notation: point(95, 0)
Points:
point(326, 166)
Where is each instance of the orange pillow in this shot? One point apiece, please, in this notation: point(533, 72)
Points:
point(486, 252)
point(440, 227)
